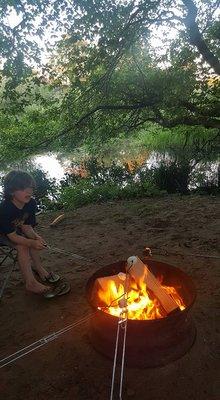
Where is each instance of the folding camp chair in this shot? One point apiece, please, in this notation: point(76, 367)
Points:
point(7, 251)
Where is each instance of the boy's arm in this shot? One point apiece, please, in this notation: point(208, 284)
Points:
point(30, 222)
point(28, 231)
point(20, 240)
point(31, 234)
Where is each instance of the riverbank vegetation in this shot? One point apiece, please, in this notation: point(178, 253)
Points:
point(122, 82)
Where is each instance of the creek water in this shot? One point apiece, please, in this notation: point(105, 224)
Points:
point(55, 166)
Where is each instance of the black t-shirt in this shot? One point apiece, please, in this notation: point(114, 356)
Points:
point(11, 217)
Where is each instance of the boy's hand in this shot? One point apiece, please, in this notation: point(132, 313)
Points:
point(37, 244)
point(38, 237)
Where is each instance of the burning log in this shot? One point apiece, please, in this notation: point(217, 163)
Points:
point(153, 339)
point(146, 297)
point(106, 285)
point(141, 274)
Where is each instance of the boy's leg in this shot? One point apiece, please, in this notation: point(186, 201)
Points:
point(25, 266)
point(37, 263)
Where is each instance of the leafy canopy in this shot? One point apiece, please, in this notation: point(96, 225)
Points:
point(109, 77)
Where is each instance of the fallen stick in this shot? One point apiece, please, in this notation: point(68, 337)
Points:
point(57, 220)
point(141, 274)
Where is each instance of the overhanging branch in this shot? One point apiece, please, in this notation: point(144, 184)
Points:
point(196, 37)
point(156, 118)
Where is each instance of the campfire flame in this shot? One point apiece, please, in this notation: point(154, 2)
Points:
point(141, 305)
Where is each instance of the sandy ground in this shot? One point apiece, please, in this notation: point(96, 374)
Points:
point(69, 367)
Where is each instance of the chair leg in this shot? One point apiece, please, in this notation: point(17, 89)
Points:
point(13, 257)
point(7, 279)
point(8, 254)
point(2, 261)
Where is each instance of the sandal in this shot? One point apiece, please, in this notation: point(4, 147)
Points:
point(51, 278)
point(64, 288)
point(59, 290)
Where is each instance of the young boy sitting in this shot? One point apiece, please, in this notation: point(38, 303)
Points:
point(17, 219)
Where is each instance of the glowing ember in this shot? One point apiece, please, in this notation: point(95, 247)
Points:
point(141, 305)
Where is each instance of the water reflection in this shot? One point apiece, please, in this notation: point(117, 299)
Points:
point(50, 164)
point(55, 166)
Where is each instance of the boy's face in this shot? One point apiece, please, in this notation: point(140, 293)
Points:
point(23, 196)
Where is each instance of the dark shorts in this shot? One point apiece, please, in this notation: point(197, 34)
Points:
point(4, 241)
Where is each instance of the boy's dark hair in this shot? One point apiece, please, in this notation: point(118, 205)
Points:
point(17, 180)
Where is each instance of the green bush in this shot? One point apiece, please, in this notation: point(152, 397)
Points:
point(45, 187)
point(86, 192)
point(172, 177)
point(205, 179)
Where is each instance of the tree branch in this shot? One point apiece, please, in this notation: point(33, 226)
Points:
point(157, 118)
point(196, 38)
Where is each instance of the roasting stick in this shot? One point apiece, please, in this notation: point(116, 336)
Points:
point(122, 324)
point(47, 339)
point(148, 252)
point(53, 249)
point(42, 342)
point(114, 364)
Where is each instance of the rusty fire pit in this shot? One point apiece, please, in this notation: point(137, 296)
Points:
point(149, 343)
